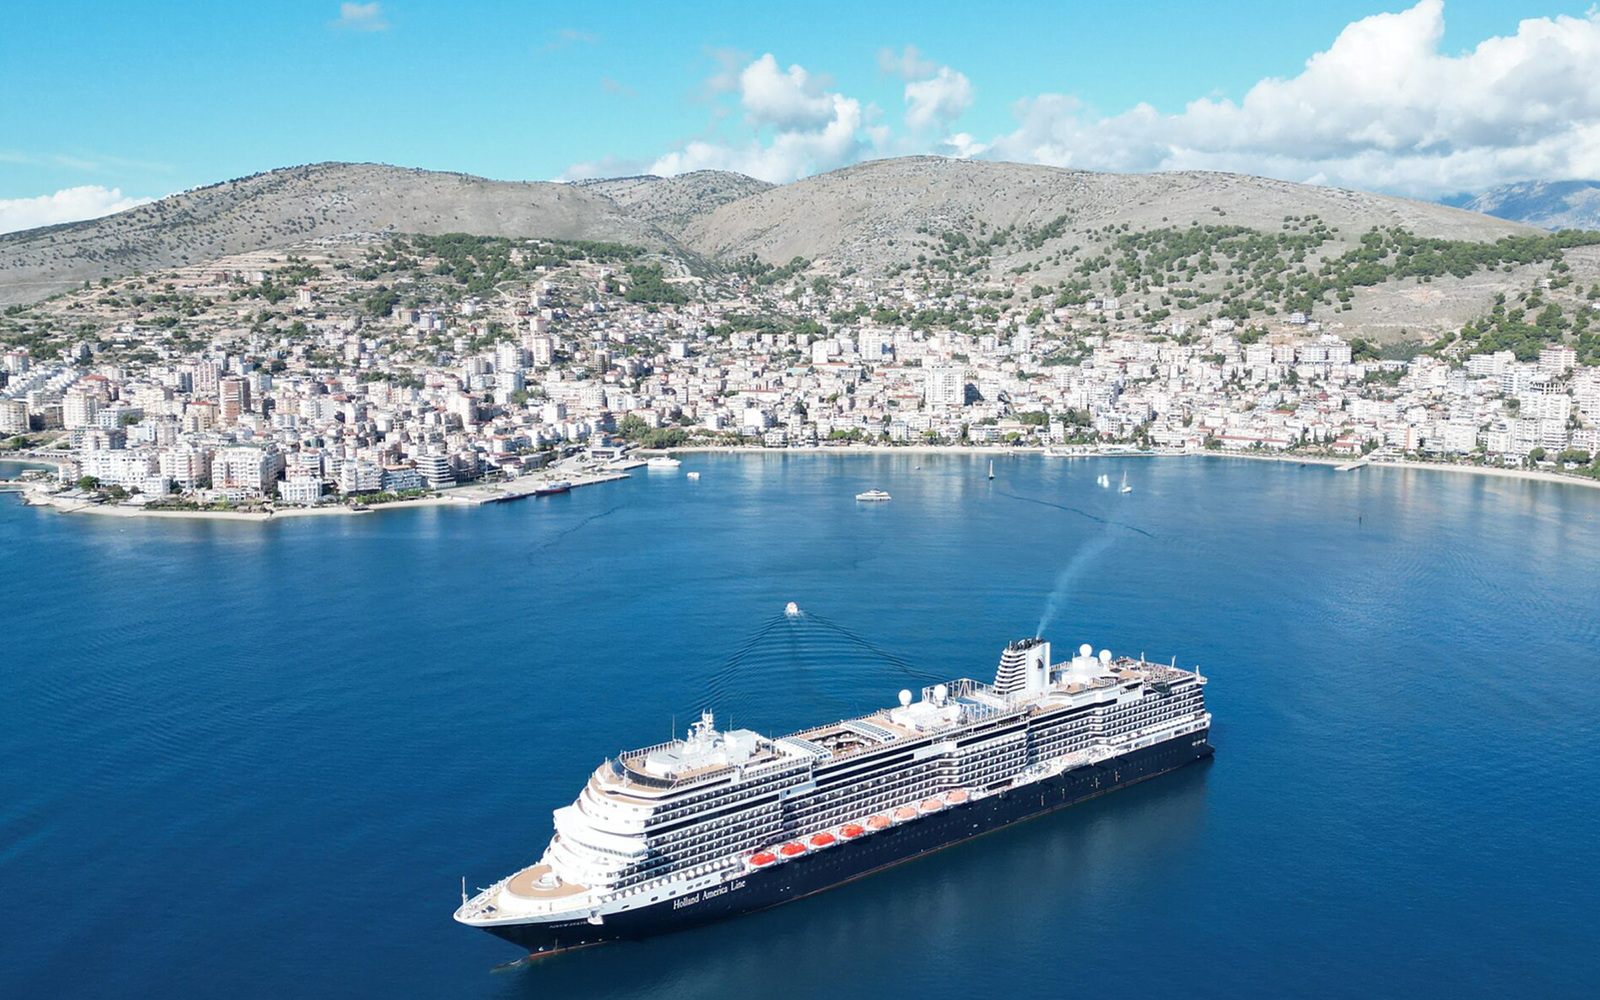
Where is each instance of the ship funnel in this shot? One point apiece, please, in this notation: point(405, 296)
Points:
point(1024, 668)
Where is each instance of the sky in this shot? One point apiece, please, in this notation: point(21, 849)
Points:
point(104, 106)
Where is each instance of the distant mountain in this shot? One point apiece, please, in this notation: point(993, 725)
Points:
point(1546, 204)
point(869, 217)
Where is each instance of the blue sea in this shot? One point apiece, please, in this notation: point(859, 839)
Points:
point(256, 760)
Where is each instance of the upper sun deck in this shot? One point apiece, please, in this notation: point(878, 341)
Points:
point(707, 755)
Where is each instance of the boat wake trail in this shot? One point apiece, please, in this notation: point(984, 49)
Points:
point(1080, 512)
point(867, 645)
point(1068, 577)
point(558, 536)
point(804, 665)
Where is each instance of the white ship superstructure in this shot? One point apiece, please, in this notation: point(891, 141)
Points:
point(687, 820)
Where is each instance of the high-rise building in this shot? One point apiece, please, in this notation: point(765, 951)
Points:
point(946, 385)
point(13, 416)
point(435, 470)
point(233, 395)
point(79, 408)
point(248, 470)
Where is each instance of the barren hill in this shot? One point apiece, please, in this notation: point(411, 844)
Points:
point(283, 206)
point(870, 217)
point(862, 214)
point(674, 202)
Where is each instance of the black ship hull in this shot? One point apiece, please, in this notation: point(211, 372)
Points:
point(853, 859)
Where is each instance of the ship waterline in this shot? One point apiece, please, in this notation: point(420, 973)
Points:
point(724, 823)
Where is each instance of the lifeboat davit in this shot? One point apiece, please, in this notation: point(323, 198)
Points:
point(823, 839)
point(762, 859)
point(932, 805)
point(878, 822)
point(792, 850)
point(957, 797)
point(851, 831)
point(905, 813)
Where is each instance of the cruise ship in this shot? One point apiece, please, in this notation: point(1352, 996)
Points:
point(719, 824)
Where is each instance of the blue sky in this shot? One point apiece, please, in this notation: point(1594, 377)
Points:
point(106, 104)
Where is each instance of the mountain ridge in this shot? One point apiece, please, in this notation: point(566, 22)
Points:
point(1568, 204)
point(871, 216)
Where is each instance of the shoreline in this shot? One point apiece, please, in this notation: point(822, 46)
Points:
point(476, 495)
point(463, 497)
point(1531, 475)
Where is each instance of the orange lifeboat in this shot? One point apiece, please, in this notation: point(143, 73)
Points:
point(851, 831)
point(792, 850)
point(956, 797)
point(762, 859)
point(823, 839)
point(932, 805)
point(878, 822)
point(904, 813)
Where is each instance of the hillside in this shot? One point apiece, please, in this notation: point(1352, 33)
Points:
point(282, 206)
point(674, 202)
point(986, 223)
point(1546, 204)
point(865, 213)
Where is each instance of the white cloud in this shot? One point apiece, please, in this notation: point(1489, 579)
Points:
point(783, 99)
point(907, 64)
point(1381, 109)
point(938, 100)
point(68, 205)
point(792, 125)
point(363, 17)
point(789, 155)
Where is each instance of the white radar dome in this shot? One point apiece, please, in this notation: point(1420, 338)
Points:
point(1086, 650)
point(939, 693)
point(905, 698)
point(1105, 656)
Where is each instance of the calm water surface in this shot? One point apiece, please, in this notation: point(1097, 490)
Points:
point(254, 760)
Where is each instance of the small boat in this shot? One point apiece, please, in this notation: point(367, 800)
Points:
point(904, 814)
point(694, 475)
point(1125, 487)
point(932, 805)
point(792, 850)
point(762, 859)
point(878, 822)
point(820, 840)
point(851, 831)
point(956, 797)
point(991, 468)
point(873, 495)
point(552, 489)
point(792, 609)
point(662, 462)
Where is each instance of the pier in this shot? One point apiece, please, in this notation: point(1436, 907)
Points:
point(526, 486)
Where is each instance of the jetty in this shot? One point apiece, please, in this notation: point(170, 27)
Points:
point(526, 486)
point(1359, 463)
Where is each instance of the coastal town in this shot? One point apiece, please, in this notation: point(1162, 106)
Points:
point(380, 368)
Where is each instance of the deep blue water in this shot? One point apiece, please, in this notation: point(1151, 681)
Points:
point(254, 760)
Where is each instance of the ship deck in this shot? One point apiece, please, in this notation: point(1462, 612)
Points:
point(530, 883)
